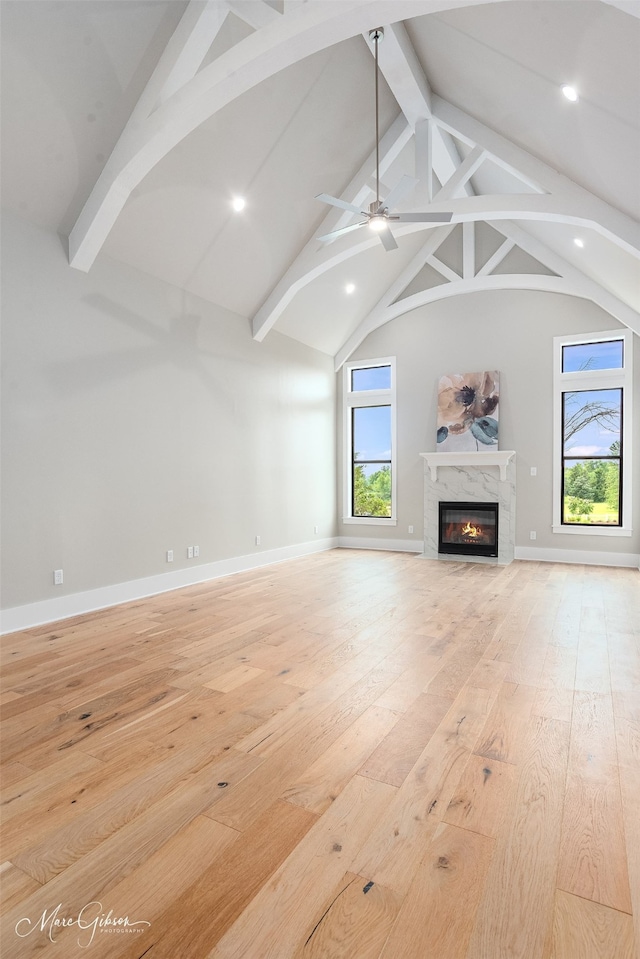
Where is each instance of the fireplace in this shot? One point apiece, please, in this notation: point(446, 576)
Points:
point(468, 529)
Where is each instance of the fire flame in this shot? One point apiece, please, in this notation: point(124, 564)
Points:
point(472, 531)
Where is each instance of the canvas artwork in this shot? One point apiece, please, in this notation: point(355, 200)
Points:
point(468, 406)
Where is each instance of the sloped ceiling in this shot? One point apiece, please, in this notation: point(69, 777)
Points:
point(131, 126)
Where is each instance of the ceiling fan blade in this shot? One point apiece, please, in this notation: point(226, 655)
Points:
point(387, 240)
point(337, 233)
point(400, 190)
point(334, 201)
point(424, 217)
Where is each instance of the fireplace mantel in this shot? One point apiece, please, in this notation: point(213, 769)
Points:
point(499, 458)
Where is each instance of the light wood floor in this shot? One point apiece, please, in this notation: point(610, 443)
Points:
point(359, 755)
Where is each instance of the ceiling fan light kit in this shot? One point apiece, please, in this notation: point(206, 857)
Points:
point(377, 217)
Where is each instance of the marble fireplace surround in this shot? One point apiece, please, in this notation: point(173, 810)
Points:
point(474, 477)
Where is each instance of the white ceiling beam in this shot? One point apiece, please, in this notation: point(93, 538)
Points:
point(313, 262)
point(362, 187)
point(405, 77)
point(423, 158)
point(605, 219)
point(632, 7)
point(442, 269)
point(591, 289)
point(496, 259)
point(177, 66)
point(256, 13)
point(454, 185)
point(182, 56)
point(305, 29)
point(377, 318)
point(396, 289)
point(468, 250)
point(479, 284)
point(357, 192)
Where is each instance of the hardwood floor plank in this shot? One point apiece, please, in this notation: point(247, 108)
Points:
point(506, 727)
point(354, 920)
point(259, 766)
point(14, 772)
point(554, 704)
point(223, 892)
point(627, 722)
point(272, 734)
point(59, 847)
point(392, 761)
point(43, 785)
point(593, 861)
point(277, 921)
point(92, 877)
point(393, 850)
point(589, 930)
point(515, 913)
point(438, 912)
point(481, 796)
point(16, 885)
point(324, 779)
point(151, 889)
point(288, 759)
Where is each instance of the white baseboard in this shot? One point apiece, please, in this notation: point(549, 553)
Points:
point(579, 556)
point(395, 545)
point(75, 604)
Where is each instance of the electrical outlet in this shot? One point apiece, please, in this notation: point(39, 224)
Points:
point(257, 540)
point(196, 551)
point(532, 534)
point(316, 530)
point(411, 529)
point(169, 556)
point(57, 577)
point(189, 552)
point(534, 470)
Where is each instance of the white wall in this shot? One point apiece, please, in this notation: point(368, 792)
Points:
point(511, 331)
point(138, 419)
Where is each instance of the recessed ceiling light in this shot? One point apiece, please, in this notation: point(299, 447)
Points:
point(570, 92)
point(238, 203)
point(578, 242)
point(350, 288)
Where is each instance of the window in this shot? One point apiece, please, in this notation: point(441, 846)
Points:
point(592, 434)
point(369, 428)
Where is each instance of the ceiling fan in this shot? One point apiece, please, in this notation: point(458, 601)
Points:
point(377, 217)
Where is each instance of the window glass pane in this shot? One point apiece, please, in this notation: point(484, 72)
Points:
point(606, 355)
point(371, 378)
point(371, 489)
point(372, 433)
point(591, 422)
point(591, 492)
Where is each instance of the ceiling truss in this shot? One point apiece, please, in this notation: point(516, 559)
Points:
point(181, 94)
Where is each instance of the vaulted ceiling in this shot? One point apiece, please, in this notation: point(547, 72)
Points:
point(130, 126)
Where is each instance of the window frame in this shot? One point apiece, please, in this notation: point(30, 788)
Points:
point(364, 398)
point(581, 380)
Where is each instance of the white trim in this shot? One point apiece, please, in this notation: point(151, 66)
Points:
point(579, 556)
point(476, 458)
point(370, 520)
point(582, 529)
point(354, 399)
point(390, 545)
point(594, 380)
point(76, 604)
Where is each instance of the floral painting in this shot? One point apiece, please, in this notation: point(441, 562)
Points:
point(468, 411)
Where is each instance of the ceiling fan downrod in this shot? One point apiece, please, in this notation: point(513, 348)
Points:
point(375, 36)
